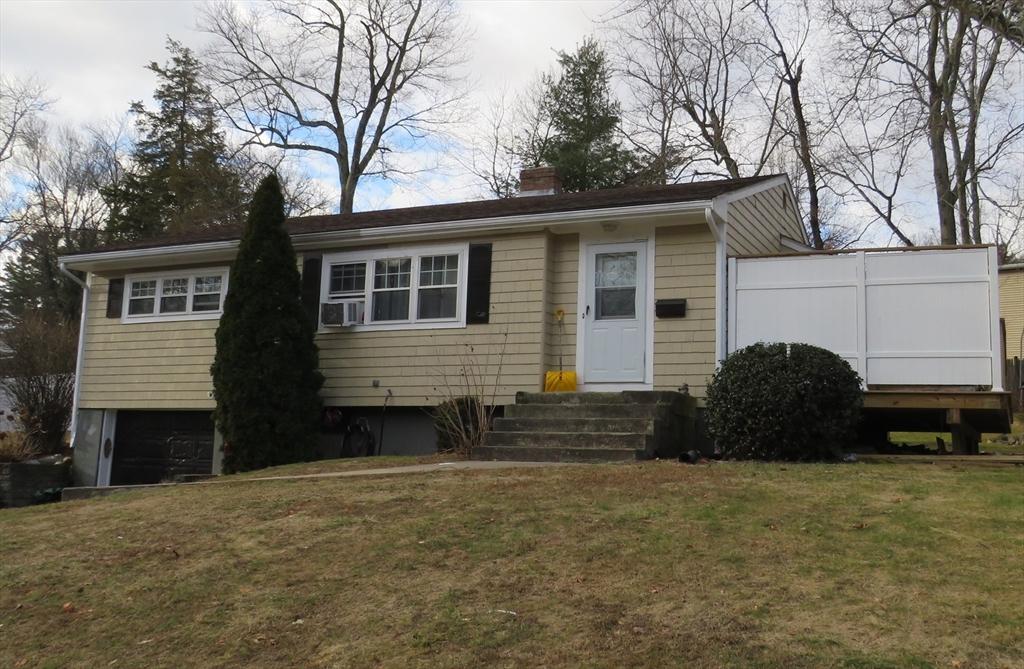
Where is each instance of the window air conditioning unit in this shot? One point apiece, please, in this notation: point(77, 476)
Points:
point(343, 314)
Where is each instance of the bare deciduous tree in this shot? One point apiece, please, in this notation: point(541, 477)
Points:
point(20, 103)
point(654, 113)
point(491, 152)
point(786, 51)
point(940, 57)
point(714, 76)
point(38, 375)
point(63, 173)
point(356, 80)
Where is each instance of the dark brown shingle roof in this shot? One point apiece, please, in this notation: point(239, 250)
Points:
point(459, 211)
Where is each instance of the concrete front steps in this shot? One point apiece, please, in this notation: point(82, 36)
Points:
point(591, 427)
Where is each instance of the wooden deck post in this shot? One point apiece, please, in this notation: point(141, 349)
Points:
point(965, 438)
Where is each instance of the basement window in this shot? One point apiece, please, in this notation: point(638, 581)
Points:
point(187, 295)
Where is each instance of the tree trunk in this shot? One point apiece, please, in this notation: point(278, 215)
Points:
point(803, 137)
point(348, 195)
point(944, 197)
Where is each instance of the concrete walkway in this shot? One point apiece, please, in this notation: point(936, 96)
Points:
point(464, 465)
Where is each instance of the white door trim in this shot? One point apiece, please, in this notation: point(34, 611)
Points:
point(588, 239)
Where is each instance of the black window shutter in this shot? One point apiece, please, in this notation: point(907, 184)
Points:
point(311, 266)
point(115, 297)
point(478, 290)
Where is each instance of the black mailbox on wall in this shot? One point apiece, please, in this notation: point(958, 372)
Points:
point(675, 308)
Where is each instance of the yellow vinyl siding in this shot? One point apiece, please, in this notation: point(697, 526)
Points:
point(684, 348)
point(166, 365)
point(144, 365)
point(563, 293)
point(755, 222)
point(414, 364)
point(1011, 309)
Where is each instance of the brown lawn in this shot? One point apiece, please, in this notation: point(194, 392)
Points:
point(655, 564)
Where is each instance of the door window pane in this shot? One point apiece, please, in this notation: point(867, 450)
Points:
point(615, 285)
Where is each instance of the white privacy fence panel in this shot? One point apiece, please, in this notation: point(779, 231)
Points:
point(904, 318)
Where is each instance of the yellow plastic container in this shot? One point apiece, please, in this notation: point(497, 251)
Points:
point(560, 382)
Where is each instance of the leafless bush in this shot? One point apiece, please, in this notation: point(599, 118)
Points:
point(15, 447)
point(468, 398)
point(37, 371)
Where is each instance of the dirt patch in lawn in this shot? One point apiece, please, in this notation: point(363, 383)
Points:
point(654, 564)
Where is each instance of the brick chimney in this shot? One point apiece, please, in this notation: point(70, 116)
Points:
point(541, 180)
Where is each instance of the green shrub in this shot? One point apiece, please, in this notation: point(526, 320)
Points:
point(783, 402)
point(265, 377)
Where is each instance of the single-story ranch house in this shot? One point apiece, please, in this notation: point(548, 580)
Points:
point(422, 283)
point(626, 287)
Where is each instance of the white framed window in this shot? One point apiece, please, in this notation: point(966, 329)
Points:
point(182, 295)
point(400, 287)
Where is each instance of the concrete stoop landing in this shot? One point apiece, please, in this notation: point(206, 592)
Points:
point(591, 427)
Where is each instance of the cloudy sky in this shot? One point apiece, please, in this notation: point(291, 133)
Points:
point(91, 56)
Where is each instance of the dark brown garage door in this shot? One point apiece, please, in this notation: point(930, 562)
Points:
point(155, 446)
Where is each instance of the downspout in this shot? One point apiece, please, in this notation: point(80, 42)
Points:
point(81, 349)
point(720, 231)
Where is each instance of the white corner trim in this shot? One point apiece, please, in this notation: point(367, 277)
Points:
point(752, 189)
point(995, 331)
point(720, 231)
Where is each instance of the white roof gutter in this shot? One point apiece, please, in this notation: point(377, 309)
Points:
point(80, 357)
point(719, 227)
point(203, 251)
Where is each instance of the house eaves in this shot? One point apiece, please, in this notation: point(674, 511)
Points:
point(214, 251)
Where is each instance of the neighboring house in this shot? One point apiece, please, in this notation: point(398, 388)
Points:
point(423, 288)
point(1011, 307)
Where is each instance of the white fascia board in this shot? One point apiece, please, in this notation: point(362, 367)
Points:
point(204, 251)
point(791, 244)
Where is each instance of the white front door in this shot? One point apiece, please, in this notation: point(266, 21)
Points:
point(612, 313)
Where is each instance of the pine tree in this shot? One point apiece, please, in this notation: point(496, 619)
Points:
point(265, 374)
point(584, 116)
point(33, 284)
point(182, 178)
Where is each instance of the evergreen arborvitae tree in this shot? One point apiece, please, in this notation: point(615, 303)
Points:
point(585, 118)
point(265, 376)
point(181, 177)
